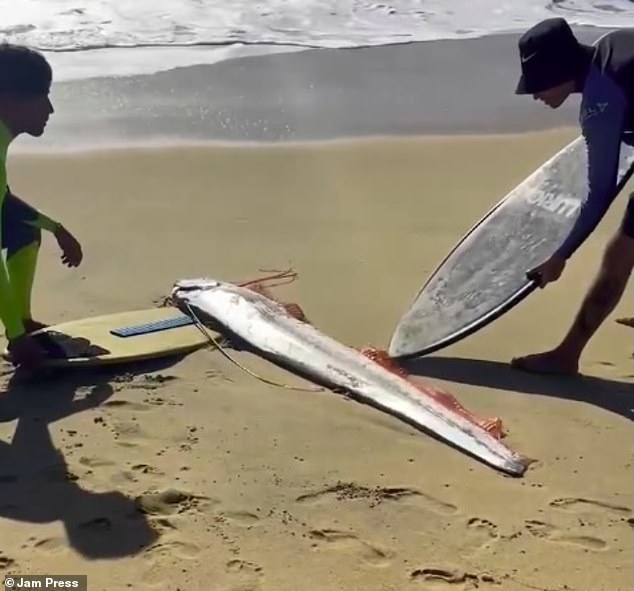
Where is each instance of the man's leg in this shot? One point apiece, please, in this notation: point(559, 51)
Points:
point(22, 242)
point(601, 299)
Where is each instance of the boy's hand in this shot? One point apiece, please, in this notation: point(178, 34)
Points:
point(71, 249)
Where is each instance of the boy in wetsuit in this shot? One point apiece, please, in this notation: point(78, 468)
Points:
point(25, 81)
point(554, 65)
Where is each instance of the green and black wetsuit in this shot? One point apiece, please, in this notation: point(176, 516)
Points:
point(20, 235)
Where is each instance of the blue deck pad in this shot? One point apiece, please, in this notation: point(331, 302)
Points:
point(150, 327)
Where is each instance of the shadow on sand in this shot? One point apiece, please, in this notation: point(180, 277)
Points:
point(610, 395)
point(35, 485)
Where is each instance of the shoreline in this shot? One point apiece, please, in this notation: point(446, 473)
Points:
point(72, 64)
point(429, 88)
point(187, 144)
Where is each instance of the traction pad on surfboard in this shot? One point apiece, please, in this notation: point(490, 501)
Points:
point(150, 327)
point(58, 345)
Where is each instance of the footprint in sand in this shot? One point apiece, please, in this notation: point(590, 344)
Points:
point(480, 534)
point(217, 527)
point(551, 533)
point(147, 469)
point(155, 400)
point(242, 566)
point(438, 579)
point(170, 501)
point(123, 477)
point(6, 562)
point(579, 504)
point(349, 542)
point(127, 405)
point(95, 462)
point(49, 545)
point(483, 526)
point(375, 496)
point(126, 444)
point(243, 575)
point(241, 518)
point(129, 430)
point(165, 558)
point(162, 525)
point(173, 548)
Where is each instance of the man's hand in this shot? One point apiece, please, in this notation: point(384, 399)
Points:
point(548, 271)
point(71, 249)
point(25, 352)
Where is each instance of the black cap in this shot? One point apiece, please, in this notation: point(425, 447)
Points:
point(549, 55)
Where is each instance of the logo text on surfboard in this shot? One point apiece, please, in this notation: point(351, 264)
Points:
point(556, 204)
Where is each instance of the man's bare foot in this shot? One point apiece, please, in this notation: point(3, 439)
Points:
point(551, 363)
point(31, 325)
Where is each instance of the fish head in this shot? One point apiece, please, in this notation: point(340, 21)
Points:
point(184, 287)
point(197, 283)
point(187, 295)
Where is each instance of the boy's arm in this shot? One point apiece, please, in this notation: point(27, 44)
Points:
point(71, 249)
point(39, 220)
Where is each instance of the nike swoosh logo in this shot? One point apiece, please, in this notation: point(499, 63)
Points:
point(589, 112)
point(525, 58)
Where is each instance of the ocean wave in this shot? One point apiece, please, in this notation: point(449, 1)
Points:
point(71, 25)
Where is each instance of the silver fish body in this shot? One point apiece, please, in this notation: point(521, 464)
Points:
point(267, 327)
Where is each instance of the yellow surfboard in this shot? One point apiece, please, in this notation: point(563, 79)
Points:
point(120, 338)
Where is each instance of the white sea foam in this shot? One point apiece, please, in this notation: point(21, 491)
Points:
point(80, 35)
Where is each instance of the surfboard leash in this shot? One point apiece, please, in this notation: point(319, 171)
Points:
point(201, 326)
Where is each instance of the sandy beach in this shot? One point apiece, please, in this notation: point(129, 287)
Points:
point(191, 474)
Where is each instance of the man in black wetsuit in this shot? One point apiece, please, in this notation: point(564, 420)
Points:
point(554, 65)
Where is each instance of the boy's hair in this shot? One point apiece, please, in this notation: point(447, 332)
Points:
point(23, 70)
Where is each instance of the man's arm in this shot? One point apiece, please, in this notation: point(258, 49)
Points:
point(602, 117)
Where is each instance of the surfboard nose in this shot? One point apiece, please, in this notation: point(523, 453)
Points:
point(399, 342)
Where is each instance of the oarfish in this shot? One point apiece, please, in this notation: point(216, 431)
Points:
point(267, 327)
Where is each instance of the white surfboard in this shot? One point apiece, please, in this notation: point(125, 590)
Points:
point(484, 275)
